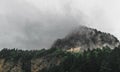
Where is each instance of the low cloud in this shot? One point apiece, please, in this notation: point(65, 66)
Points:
point(26, 25)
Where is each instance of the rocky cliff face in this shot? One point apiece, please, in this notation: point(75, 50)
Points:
point(38, 64)
point(10, 66)
point(35, 65)
point(85, 38)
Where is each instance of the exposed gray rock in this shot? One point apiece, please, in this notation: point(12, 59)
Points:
point(85, 38)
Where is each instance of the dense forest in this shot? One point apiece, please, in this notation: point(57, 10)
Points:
point(96, 60)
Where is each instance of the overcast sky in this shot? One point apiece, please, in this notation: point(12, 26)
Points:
point(35, 24)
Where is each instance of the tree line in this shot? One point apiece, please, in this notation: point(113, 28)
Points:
point(96, 60)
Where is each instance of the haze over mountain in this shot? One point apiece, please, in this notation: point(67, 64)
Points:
point(70, 26)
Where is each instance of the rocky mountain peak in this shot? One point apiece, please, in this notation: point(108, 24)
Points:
point(84, 38)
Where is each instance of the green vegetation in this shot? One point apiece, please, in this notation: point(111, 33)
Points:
point(15, 54)
point(96, 60)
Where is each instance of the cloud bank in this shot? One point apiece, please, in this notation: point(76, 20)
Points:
point(30, 24)
point(24, 26)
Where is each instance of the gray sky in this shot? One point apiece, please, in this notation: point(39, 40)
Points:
point(35, 24)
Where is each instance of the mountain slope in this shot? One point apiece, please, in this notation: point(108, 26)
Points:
point(56, 59)
point(84, 38)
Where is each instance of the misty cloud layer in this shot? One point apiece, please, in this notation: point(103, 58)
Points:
point(26, 25)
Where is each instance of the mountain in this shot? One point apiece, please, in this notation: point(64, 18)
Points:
point(83, 38)
point(98, 58)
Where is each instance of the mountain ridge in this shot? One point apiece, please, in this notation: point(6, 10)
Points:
point(59, 59)
point(85, 38)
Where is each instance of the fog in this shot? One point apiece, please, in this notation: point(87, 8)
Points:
point(36, 24)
